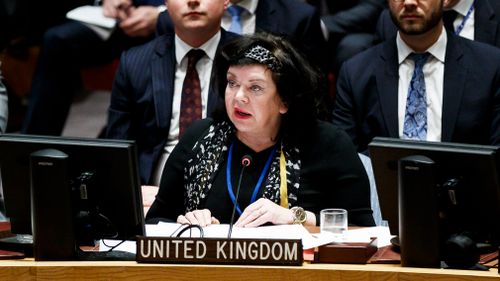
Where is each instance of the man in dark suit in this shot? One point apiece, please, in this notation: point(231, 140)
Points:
point(294, 19)
point(485, 26)
point(69, 47)
point(147, 91)
point(453, 94)
point(351, 28)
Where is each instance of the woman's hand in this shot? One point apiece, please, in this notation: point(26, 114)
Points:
point(199, 217)
point(263, 211)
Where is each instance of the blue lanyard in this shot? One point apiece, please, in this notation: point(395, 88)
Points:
point(257, 186)
point(462, 24)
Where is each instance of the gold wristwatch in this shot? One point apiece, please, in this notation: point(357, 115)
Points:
point(299, 215)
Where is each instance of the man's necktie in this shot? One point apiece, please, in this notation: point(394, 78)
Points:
point(191, 92)
point(235, 12)
point(449, 17)
point(415, 123)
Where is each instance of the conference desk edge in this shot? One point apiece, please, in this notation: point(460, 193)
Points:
point(28, 269)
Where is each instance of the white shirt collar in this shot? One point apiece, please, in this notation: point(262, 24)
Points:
point(210, 47)
point(249, 5)
point(437, 50)
point(463, 6)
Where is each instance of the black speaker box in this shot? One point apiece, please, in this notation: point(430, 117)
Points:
point(418, 213)
point(51, 216)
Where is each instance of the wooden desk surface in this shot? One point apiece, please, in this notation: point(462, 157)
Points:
point(31, 270)
point(28, 269)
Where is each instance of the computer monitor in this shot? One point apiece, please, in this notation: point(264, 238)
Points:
point(104, 181)
point(467, 178)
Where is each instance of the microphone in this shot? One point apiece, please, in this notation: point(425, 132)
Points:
point(246, 160)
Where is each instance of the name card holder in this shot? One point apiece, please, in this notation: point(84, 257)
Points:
point(351, 252)
point(219, 251)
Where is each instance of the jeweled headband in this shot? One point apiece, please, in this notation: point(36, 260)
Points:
point(264, 56)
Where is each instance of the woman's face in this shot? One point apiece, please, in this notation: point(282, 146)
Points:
point(252, 101)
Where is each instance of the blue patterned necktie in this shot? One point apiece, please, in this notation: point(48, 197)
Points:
point(235, 12)
point(415, 123)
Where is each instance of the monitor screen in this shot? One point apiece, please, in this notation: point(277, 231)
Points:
point(467, 182)
point(104, 181)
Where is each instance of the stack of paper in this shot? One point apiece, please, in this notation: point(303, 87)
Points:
point(93, 17)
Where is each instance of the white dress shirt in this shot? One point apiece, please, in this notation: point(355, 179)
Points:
point(462, 8)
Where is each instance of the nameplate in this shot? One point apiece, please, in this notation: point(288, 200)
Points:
point(219, 251)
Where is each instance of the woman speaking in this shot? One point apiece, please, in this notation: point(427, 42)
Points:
point(294, 165)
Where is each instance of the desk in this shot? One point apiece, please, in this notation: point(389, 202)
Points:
point(30, 270)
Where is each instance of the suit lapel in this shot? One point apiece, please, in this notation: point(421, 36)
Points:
point(485, 26)
point(163, 70)
point(387, 86)
point(264, 16)
point(454, 83)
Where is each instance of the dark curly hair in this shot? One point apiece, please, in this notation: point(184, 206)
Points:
point(297, 82)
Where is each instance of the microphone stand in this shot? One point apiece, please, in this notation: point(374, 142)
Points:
point(236, 203)
point(245, 162)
